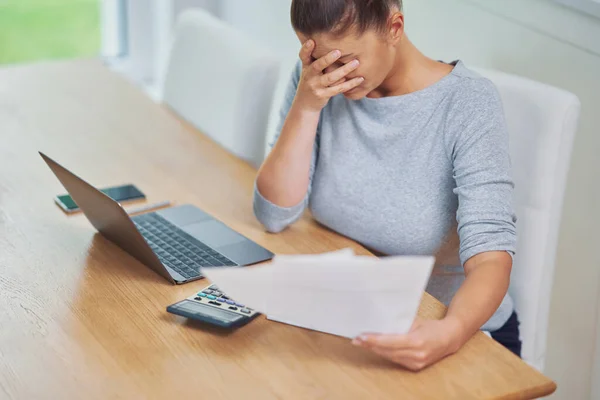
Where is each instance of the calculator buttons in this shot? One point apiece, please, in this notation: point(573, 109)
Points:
point(211, 295)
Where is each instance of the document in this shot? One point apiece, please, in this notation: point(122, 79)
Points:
point(336, 293)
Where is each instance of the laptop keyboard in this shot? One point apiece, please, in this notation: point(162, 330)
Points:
point(176, 249)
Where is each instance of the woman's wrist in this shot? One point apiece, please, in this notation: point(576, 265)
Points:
point(457, 334)
point(304, 110)
point(300, 129)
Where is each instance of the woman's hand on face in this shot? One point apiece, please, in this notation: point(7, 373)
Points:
point(427, 342)
point(316, 85)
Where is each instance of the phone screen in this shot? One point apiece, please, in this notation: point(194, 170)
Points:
point(117, 193)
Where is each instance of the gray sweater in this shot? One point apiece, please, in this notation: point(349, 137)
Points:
point(401, 175)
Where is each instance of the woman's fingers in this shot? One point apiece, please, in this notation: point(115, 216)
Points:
point(343, 87)
point(339, 82)
point(306, 53)
point(330, 79)
point(415, 360)
point(388, 341)
point(326, 60)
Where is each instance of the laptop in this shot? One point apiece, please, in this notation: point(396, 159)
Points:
point(175, 242)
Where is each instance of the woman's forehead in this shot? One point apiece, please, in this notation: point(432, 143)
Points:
point(323, 45)
point(350, 43)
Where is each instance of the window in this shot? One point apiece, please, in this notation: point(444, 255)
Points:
point(34, 30)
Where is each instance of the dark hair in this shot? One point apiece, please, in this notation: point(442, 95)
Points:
point(337, 16)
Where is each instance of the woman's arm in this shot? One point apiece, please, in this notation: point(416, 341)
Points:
point(283, 181)
point(480, 295)
point(283, 178)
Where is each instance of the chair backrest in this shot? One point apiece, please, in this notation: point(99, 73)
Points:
point(542, 121)
point(221, 82)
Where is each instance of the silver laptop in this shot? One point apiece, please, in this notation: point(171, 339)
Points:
point(175, 242)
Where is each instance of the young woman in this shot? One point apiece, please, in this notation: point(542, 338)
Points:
point(400, 153)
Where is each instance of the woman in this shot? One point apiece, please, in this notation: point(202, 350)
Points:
point(393, 149)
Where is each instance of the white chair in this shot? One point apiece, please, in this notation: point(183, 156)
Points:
point(542, 121)
point(221, 82)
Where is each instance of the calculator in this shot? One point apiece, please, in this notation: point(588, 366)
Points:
point(214, 307)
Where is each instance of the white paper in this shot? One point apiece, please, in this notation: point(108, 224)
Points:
point(252, 285)
point(351, 297)
point(247, 285)
point(336, 293)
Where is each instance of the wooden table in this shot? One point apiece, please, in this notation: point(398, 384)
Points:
point(79, 318)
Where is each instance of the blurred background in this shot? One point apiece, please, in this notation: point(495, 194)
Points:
point(32, 30)
point(552, 41)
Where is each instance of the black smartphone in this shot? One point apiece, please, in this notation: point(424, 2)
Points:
point(120, 194)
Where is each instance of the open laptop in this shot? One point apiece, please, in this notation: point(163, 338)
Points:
point(175, 242)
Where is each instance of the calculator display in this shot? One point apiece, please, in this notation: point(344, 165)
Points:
point(200, 309)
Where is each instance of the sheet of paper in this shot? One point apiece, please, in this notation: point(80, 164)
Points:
point(336, 293)
point(246, 285)
point(350, 297)
point(251, 285)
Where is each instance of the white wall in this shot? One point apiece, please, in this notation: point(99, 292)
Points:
point(541, 40)
point(595, 390)
point(589, 6)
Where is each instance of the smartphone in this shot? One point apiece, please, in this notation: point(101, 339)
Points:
point(120, 194)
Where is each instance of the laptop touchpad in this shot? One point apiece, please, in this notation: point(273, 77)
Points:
point(213, 233)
